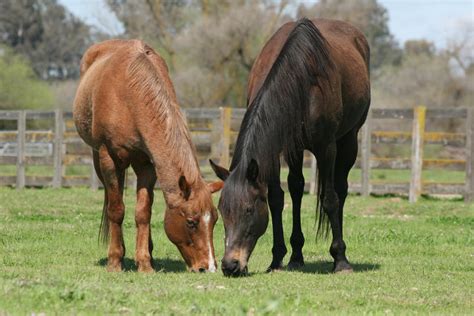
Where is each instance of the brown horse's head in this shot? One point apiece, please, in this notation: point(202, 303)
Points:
point(244, 210)
point(189, 224)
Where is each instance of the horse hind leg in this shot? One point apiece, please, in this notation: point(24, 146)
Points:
point(345, 159)
point(331, 206)
point(113, 179)
point(296, 188)
point(146, 179)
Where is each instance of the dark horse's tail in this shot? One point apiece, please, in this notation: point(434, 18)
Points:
point(323, 223)
point(104, 222)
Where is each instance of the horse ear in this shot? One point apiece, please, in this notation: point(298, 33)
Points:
point(215, 186)
point(184, 187)
point(252, 171)
point(221, 172)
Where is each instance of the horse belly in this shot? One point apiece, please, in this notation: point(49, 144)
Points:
point(82, 113)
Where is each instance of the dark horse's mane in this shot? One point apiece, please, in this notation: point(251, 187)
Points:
point(274, 120)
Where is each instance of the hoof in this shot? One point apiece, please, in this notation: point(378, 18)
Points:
point(343, 267)
point(114, 267)
point(295, 265)
point(145, 268)
point(275, 267)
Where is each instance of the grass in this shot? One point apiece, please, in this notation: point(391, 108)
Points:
point(408, 258)
point(376, 175)
point(46, 171)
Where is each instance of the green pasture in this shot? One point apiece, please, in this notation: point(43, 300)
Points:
point(376, 175)
point(408, 258)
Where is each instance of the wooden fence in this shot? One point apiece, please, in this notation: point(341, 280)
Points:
point(214, 132)
point(418, 138)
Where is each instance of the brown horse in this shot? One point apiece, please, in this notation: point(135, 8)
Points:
point(126, 110)
point(308, 89)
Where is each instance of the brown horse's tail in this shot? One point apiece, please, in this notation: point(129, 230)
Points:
point(104, 223)
point(323, 222)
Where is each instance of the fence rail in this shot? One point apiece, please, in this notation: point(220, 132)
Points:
point(214, 133)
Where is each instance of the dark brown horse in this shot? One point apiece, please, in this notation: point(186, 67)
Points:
point(308, 89)
point(126, 110)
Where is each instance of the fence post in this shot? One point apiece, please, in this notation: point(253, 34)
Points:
point(58, 148)
point(469, 194)
point(313, 182)
point(419, 115)
point(224, 137)
point(365, 155)
point(20, 144)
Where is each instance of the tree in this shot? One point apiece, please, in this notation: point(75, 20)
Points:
point(419, 47)
point(209, 46)
point(47, 34)
point(460, 46)
point(20, 24)
point(369, 16)
point(419, 79)
point(156, 22)
point(19, 87)
point(219, 52)
point(425, 75)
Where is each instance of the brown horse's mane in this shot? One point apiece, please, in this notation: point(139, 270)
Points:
point(156, 92)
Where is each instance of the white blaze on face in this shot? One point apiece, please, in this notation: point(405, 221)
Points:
point(207, 219)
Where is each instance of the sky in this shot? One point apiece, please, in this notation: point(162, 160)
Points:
point(435, 20)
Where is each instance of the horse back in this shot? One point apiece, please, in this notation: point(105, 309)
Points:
point(349, 52)
point(105, 105)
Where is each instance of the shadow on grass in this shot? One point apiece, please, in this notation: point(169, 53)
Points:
point(159, 265)
point(325, 267)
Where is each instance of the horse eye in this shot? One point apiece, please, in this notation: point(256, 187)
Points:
point(191, 223)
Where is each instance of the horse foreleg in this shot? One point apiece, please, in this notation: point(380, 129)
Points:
point(275, 202)
point(296, 188)
point(146, 179)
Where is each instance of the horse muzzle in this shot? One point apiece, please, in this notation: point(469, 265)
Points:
point(234, 268)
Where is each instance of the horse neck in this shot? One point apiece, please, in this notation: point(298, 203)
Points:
point(173, 155)
point(260, 141)
point(168, 172)
point(161, 125)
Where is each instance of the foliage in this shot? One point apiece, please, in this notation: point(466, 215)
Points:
point(408, 258)
point(19, 86)
point(420, 79)
point(64, 92)
point(209, 46)
point(420, 47)
point(219, 53)
point(424, 77)
point(48, 35)
point(418, 74)
point(370, 17)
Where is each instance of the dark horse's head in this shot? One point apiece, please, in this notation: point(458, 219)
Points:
point(243, 206)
